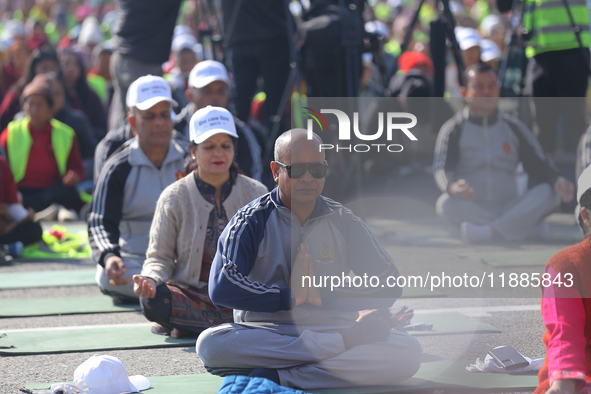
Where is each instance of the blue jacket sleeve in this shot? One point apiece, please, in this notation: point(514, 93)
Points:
point(229, 285)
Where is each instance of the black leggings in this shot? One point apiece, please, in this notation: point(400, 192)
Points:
point(39, 199)
point(26, 232)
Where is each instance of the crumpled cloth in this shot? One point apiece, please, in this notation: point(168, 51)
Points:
point(490, 365)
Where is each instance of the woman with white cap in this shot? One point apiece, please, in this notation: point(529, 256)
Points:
point(190, 216)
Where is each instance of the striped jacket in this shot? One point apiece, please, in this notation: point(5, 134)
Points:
point(486, 152)
point(252, 267)
point(124, 200)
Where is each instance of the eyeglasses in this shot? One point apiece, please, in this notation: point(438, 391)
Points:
point(297, 170)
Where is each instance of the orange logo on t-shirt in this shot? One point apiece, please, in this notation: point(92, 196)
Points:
point(506, 147)
point(180, 175)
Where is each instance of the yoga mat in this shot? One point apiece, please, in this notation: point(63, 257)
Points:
point(437, 375)
point(202, 384)
point(76, 339)
point(25, 280)
point(451, 377)
point(451, 323)
point(133, 336)
point(518, 258)
point(11, 307)
point(419, 292)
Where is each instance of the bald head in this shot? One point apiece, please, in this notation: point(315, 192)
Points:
point(299, 137)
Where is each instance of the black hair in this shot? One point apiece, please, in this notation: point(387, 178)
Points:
point(37, 56)
point(81, 85)
point(478, 68)
point(191, 165)
point(585, 202)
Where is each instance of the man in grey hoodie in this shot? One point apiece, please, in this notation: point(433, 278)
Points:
point(128, 187)
point(476, 158)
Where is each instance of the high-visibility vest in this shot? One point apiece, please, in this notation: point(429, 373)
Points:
point(550, 26)
point(19, 142)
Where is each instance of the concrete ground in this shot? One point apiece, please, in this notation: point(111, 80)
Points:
point(400, 211)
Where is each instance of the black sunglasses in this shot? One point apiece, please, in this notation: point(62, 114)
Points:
point(297, 170)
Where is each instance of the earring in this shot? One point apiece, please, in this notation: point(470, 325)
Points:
point(193, 157)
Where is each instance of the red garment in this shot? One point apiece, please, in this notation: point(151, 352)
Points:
point(9, 107)
point(7, 186)
point(42, 171)
point(568, 334)
point(11, 75)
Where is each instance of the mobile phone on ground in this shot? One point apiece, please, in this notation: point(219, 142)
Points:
point(508, 358)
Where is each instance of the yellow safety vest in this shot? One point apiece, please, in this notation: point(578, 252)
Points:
point(19, 142)
point(550, 27)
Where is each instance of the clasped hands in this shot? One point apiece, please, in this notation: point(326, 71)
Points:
point(303, 266)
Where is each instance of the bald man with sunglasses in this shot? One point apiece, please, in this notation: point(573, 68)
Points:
point(286, 329)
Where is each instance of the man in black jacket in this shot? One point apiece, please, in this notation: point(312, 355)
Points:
point(142, 41)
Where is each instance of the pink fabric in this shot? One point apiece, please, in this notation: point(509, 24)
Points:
point(564, 317)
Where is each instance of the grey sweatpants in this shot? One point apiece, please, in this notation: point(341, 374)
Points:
point(312, 360)
point(514, 220)
point(134, 266)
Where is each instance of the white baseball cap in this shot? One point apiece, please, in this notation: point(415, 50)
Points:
point(147, 91)
point(377, 27)
point(488, 22)
point(209, 121)
point(183, 41)
point(584, 183)
point(206, 72)
point(489, 50)
point(107, 375)
point(467, 37)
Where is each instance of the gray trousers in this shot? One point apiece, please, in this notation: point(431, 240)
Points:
point(514, 220)
point(125, 70)
point(134, 266)
point(312, 360)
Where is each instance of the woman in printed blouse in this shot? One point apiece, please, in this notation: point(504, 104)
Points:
point(566, 309)
point(190, 216)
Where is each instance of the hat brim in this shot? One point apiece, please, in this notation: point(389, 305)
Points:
point(467, 44)
point(153, 101)
point(203, 137)
point(206, 81)
point(139, 382)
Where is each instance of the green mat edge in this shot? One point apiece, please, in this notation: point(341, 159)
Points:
point(117, 308)
point(209, 382)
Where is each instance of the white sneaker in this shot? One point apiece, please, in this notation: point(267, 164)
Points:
point(67, 215)
point(48, 214)
point(474, 233)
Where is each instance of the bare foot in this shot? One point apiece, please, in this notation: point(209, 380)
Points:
point(176, 333)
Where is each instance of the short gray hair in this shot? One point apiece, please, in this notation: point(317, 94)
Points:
point(281, 141)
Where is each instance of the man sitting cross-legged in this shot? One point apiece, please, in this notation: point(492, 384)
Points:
point(296, 335)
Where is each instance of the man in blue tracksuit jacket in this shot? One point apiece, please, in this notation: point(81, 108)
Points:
point(293, 332)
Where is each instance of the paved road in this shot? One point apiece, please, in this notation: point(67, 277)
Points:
point(403, 219)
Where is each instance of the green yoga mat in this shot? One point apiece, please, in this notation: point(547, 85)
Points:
point(518, 258)
point(11, 307)
point(450, 377)
point(132, 336)
point(419, 292)
point(26, 280)
point(431, 376)
point(451, 323)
